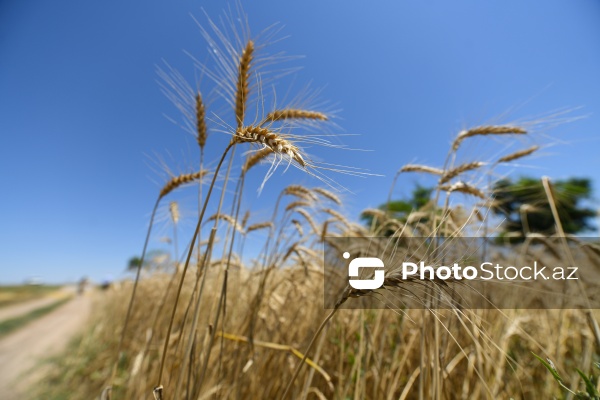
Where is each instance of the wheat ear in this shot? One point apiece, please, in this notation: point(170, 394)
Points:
point(259, 225)
point(296, 204)
point(465, 188)
point(300, 191)
point(180, 180)
point(293, 113)
point(242, 87)
point(453, 173)
point(487, 130)
point(200, 122)
point(174, 211)
point(518, 154)
point(328, 195)
point(255, 158)
point(277, 143)
point(421, 168)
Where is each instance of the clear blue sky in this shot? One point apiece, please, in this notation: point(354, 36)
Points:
point(82, 116)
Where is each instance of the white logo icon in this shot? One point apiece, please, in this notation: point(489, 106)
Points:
point(365, 262)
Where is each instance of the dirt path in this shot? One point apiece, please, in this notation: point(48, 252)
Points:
point(22, 350)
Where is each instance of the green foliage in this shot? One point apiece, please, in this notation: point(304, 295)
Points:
point(591, 393)
point(134, 263)
point(400, 209)
point(154, 259)
point(525, 206)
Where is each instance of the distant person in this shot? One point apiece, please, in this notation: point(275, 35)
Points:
point(82, 285)
point(106, 283)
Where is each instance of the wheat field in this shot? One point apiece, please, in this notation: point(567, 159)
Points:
point(220, 323)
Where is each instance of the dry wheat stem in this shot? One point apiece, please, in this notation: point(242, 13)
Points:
point(187, 262)
point(306, 352)
point(133, 293)
point(222, 303)
point(559, 229)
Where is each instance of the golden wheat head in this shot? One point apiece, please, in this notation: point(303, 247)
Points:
point(180, 180)
point(279, 145)
point(487, 130)
point(242, 86)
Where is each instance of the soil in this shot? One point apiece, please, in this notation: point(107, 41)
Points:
point(22, 351)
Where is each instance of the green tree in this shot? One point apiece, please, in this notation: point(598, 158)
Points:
point(155, 259)
point(525, 206)
point(400, 209)
point(134, 263)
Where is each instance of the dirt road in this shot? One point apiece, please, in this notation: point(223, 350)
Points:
point(22, 350)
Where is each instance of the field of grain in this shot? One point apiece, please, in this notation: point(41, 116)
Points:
point(220, 323)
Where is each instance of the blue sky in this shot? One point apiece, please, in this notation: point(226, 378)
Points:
point(82, 118)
